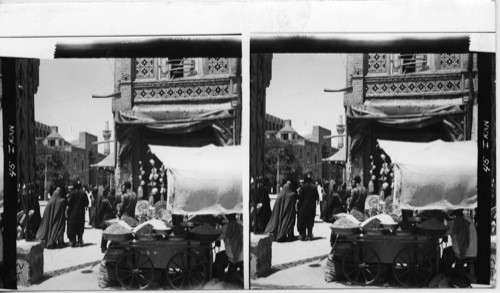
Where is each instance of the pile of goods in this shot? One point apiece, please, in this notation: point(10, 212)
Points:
point(117, 228)
point(145, 230)
point(205, 232)
point(345, 226)
point(358, 215)
point(373, 224)
point(117, 232)
point(130, 221)
point(345, 223)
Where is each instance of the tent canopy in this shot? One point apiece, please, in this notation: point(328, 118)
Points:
point(202, 180)
point(108, 162)
point(340, 156)
point(435, 175)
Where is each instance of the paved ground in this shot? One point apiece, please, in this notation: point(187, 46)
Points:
point(301, 265)
point(72, 268)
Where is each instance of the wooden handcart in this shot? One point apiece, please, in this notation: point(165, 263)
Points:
point(413, 258)
point(186, 264)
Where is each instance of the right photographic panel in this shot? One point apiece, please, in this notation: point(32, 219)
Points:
point(371, 163)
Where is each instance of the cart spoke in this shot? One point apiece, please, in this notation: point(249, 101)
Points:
point(130, 283)
point(143, 278)
point(194, 279)
point(370, 273)
point(357, 275)
point(364, 276)
point(349, 272)
point(189, 282)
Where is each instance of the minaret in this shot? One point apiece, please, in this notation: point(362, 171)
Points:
point(106, 133)
point(340, 131)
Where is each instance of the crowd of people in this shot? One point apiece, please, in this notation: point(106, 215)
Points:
point(296, 205)
point(66, 209)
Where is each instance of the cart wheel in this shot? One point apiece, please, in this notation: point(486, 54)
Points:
point(361, 265)
point(186, 271)
point(412, 268)
point(135, 270)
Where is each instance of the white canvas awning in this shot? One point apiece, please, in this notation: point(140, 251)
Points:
point(435, 175)
point(108, 162)
point(203, 180)
point(340, 156)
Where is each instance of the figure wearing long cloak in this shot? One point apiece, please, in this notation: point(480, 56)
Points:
point(282, 219)
point(53, 221)
point(308, 197)
point(264, 212)
point(77, 202)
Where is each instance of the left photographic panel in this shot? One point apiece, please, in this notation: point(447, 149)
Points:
point(122, 172)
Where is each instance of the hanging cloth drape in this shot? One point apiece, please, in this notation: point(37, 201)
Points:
point(130, 123)
point(360, 117)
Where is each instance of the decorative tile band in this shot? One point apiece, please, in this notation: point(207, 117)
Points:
point(167, 91)
point(414, 86)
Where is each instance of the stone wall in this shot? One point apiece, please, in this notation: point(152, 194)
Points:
point(29, 265)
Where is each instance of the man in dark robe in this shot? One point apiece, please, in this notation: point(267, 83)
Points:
point(335, 205)
point(104, 212)
point(262, 202)
point(53, 222)
point(28, 204)
point(306, 207)
point(77, 203)
point(282, 220)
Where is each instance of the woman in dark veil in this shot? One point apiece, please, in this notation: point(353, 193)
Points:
point(53, 222)
point(282, 220)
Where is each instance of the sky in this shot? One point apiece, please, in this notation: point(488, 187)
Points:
point(64, 96)
point(297, 86)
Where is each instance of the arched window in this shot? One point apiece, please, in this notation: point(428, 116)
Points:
point(83, 163)
point(75, 163)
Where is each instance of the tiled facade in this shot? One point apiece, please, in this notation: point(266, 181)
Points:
point(393, 80)
point(173, 84)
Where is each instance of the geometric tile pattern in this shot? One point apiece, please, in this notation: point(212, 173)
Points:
point(182, 89)
point(417, 85)
point(218, 66)
point(449, 61)
point(376, 63)
point(144, 68)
